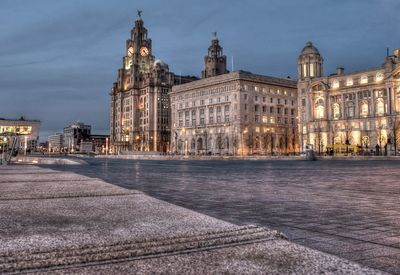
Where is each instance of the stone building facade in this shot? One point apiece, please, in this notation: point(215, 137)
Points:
point(348, 113)
point(140, 107)
point(237, 113)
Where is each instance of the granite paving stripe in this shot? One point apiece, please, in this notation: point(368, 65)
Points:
point(114, 252)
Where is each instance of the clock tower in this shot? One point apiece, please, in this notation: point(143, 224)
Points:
point(139, 118)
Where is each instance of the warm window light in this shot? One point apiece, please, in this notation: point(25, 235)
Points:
point(364, 109)
point(380, 107)
point(265, 119)
point(349, 82)
point(379, 77)
point(364, 79)
point(320, 111)
point(335, 84)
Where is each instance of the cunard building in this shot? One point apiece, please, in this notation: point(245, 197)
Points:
point(349, 113)
point(140, 114)
point(233, 113)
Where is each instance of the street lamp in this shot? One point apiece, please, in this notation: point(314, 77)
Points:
point(25, 144)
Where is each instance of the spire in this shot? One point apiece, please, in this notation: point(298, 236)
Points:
point(214, 36)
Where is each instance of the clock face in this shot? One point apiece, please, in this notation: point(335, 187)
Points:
point(144, 51)
point(130, 51)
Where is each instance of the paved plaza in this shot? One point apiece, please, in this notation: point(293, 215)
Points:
point(346, 208)
point(63, 223)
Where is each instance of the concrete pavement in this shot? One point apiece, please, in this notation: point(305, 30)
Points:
point(61, 222)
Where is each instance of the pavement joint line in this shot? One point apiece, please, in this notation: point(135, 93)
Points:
point(135, 258)
point(57, 180)
point(69, 197)
point(346, 237)
point(236, 231)
point(74, 250)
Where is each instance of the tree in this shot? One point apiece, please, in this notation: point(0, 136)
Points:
point(318, 136)
point(250, 141)
point(395, 133)
point(348, 129)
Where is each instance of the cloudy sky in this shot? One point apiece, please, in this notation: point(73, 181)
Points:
point(58, 59)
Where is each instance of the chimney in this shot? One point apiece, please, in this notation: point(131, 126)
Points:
point(339, 71)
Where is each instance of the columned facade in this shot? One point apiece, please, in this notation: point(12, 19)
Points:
point(349, 113)
point(237, 113)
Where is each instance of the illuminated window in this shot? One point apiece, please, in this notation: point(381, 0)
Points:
point(349, 82)
point(379, 77)
point(364, 109)
point(335, 84)
point(320, 109)
point(304, 70)
point(336, 111)
point(265, 119)
point(380, 107)
point(364, 79)
point(311, 70)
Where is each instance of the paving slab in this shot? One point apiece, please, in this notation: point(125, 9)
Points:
point(53, 222)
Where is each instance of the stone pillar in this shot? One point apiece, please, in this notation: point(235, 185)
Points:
point(343, 116)
point(373, 103)
point(357, 111)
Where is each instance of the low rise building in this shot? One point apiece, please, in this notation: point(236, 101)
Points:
point(74, 134)
point(26, 130)
point(56, 142)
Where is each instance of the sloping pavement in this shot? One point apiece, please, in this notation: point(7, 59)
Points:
point(60, 222)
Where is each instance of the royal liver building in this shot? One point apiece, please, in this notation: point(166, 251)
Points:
point(349, 113)
point(139, 99)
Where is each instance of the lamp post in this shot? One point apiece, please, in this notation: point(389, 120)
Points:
point(25, 144)
point(106, 146)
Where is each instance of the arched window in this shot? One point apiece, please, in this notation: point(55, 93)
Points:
point(364, 108)
point(320, 109)
point(336, 111)
point(200, 144)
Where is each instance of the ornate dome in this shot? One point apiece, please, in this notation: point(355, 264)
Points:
point(309, 49)
point(159, 62)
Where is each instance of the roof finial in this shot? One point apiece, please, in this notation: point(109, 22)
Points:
point(214, 36)
point(139, 13)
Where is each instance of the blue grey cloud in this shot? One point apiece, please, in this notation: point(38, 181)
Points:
point(58, 59)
